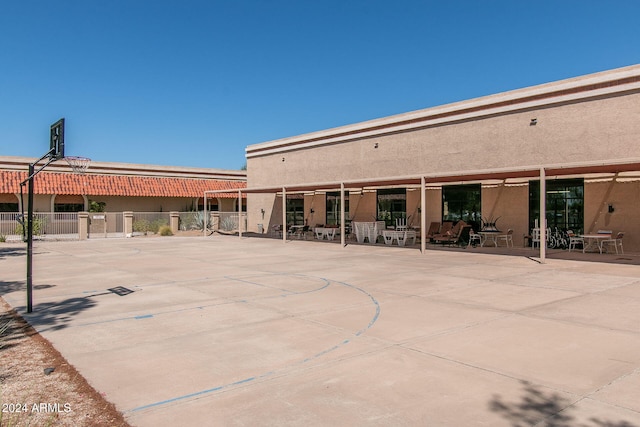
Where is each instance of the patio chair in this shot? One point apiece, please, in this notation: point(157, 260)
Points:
point(434, 228)
point(535, 237)
point(616, 241)
point(445, 230)
point(455, 235)
point(401, 224)
point(574, 240)
point(301, 233)
point(474, 239)
point(276, 230)
point(507, 238)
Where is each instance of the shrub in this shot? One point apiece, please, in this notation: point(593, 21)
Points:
point(141, 226)
point(3, 238)
point(165, 230)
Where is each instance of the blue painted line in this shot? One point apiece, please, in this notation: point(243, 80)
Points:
point(270, 373)
point(144, 316)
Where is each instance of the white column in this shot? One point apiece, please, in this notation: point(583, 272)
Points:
point(240, 213)
point(204, 218)
point(284, 215)
point(423, 216)
point(543, 216)
point(342, 222)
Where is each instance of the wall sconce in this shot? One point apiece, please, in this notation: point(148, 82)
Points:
point(311, 210)
point(533, 122)
point(262, 211)
point(375, 145)
point(283, 159)
point(611, 209)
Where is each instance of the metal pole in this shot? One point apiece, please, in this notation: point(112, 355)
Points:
point(342, 235)
point(30, 241)
point(204, 216)
point(284, 215)
point(240, 213)
point(423, 216)
point(543, 216)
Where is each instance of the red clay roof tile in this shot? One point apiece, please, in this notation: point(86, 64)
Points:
point(117, 185)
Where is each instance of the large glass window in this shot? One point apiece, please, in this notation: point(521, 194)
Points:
point(565, 204)
point(462, 202)
point(333, 207)
point(8, 207)
point(295, 211)
point(392, 204)
point(68, 207)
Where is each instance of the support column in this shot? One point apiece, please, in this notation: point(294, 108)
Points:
point(543, 215)
point(240, 213)
point(423, 215)
point(83, 225)
point(342, 222)
point(205, 218)
point(174, 221)
point(128, 223)
point(284, 214)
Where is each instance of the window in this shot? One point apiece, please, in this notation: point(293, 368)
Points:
point(295, 211)
point(565, 204)
point(68, 207)
point(8, 207)
point(68, 203)
point(392, 204)
point(462, 202)
point(333, 207)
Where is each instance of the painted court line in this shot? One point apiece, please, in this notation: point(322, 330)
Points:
point(372, 321)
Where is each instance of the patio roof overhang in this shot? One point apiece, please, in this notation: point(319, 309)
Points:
point(480, 176)
point(543, 172)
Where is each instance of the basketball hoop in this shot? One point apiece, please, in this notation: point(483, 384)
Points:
point(78, 164)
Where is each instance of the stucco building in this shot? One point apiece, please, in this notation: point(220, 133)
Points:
point(480, 159)
point(118, 187)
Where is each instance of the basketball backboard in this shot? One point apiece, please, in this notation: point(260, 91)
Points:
point(56, 140)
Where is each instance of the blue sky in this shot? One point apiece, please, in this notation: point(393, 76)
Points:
point(193, 82)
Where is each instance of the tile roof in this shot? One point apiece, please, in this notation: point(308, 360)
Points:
point(117, 185)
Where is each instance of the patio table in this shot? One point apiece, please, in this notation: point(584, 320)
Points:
point(399, 236)
point(489, 235)
point(368, 230)
point(593, 241)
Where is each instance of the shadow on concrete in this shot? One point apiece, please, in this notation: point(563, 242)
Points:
point(549, 409)
point(11, 252)
point(54, 316)
point(12, 286)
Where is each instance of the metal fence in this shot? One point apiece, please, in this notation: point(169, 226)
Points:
point(64, 225)
point(149, 222)
point(46, 225)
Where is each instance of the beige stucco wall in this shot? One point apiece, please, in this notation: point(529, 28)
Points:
point(625, 199)
point(580, 132)
point(577, 126)
point(509, 208)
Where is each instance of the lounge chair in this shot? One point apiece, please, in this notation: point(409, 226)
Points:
point(434, 228)
point(458, 234)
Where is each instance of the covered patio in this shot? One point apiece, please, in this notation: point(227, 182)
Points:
point(615, 171)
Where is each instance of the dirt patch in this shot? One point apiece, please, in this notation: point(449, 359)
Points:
point(38, 387)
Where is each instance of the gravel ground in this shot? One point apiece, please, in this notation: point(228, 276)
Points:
point(37, 385)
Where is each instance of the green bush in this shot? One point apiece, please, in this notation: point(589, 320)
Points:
point(38, 226)
point(141, 226)
point(3, 238)
point(165, 230)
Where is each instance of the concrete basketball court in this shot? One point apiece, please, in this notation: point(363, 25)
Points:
point(255, 332)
